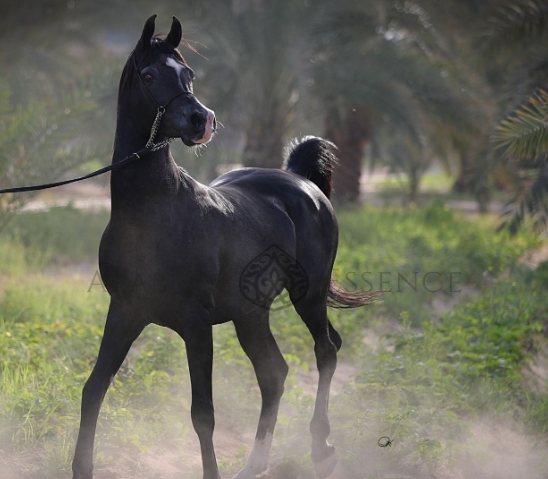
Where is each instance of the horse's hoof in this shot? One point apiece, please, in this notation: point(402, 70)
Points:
point(82, 476)
point(78, 474)
point(325, 467)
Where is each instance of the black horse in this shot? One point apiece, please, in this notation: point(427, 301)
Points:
point(187, 256)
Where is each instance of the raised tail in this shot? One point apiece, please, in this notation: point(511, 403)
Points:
point(313, 158)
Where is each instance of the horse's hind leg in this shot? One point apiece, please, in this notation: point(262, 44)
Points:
point(334, 336)
point(313, 312)
point(117, 339)
point(271, 370)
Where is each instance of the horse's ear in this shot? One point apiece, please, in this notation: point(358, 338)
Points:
point(175, 34)
point(148, 31)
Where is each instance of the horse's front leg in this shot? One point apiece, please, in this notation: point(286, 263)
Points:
point(119, 334)
point(198, 336)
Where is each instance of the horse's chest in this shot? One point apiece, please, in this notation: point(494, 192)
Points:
point(147, 264)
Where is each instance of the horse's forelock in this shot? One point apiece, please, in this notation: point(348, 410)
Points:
point(159, 42)
point(158, 45)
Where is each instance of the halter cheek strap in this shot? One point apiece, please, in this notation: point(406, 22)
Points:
point(160, 112)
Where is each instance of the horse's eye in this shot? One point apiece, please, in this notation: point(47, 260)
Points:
point(148, 77)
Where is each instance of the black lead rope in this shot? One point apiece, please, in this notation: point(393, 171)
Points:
point(150, 146)
point(113, 166)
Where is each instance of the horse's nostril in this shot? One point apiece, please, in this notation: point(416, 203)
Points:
point(198, 119)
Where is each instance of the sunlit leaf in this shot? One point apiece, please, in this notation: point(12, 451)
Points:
point(525, 133)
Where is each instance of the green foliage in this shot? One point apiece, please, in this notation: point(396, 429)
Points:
point(525, 133)
point(516, 25)
point(517, 40)
point(14, 258)
point(61, 232)
point(524, 137)
point(406, 396)
point(417, 251)
point(31, 241)
point(433, 113)
point(421, 388)
point(49, 338)
point(491, 337)
point(43, 139)
point(539, 277)
point(422, 385)
point(537, 412)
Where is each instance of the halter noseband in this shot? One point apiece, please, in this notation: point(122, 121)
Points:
point(159, 114)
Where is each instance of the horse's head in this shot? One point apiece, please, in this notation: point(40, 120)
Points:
point(164, 80)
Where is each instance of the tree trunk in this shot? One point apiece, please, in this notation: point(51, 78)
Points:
point(264, 146)
point(351, 135)
point(414, 182)
point(466, 179)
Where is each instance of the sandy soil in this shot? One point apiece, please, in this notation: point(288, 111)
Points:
point(491, 451)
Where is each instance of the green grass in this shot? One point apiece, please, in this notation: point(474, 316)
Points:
point(49, 338)
point(423, 385)
point(422, 255)
point(61, 233)
point(424, 388)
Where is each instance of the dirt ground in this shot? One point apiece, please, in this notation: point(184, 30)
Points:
point(494, 451)
point(489, 451)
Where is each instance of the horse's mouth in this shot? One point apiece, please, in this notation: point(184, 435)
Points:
point(209, 127)
point(209, 130)
point(188, 142)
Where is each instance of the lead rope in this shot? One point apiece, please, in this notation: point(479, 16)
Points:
point(150, 146)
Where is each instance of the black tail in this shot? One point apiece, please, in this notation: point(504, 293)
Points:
point(313, 158)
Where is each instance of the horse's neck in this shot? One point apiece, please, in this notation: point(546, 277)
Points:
point(147, 179)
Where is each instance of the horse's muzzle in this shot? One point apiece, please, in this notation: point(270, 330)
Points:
point(209, 128)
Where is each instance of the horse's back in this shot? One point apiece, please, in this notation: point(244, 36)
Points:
point(282, 201)
point(264, 184)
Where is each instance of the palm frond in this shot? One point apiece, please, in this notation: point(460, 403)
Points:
point(516, 24)
point(42, 140)
point(530, 201)
point(525, 133)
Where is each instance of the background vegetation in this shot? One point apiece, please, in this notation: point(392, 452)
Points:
point(446, 99)
point(425, 367)
point(406, 84)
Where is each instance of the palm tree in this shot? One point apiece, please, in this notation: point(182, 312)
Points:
point(256, 51)
point(387, 68)
point(518, 38)
point(43, 140)
point(523, 137)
